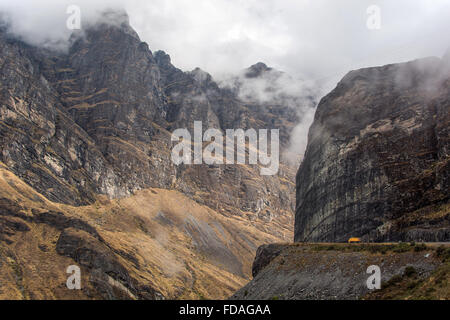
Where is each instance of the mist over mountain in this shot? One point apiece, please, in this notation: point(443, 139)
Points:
point(378, 151)
point(87, 175)
point(90, 127)
point(266, 87)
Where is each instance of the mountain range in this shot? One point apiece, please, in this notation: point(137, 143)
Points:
point(87, 179)
point(89, 130)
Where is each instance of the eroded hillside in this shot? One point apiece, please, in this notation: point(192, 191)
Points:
point(87, 176)
point(155, 244)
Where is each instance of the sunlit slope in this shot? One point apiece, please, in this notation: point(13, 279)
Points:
point(154, 244)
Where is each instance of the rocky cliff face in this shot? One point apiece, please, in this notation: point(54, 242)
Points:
point(377, 163)
point(89, 132)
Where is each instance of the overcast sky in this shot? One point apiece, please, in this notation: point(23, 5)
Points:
point(314, 38)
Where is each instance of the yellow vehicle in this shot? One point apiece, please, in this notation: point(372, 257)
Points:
point(354, 240)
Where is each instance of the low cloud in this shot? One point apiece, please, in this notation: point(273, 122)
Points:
point(269, 87)
point(44, 22)
point(318, 40)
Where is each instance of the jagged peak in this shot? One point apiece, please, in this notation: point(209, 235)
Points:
point(257, 70)
point(113, 17)
point(162, 57)
point(118, 15)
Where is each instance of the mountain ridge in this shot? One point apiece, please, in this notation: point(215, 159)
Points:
point(87, 176)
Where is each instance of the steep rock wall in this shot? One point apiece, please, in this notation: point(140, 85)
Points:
point(377, 163)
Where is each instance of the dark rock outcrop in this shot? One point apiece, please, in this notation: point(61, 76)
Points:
point(264, 255)
point(95, 122)
point(377, 165)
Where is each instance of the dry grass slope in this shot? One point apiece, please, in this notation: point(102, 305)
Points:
point(163, 239)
